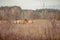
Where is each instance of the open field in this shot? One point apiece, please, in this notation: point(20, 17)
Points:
point(39, 30)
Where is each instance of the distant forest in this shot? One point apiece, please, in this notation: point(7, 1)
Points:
point(17, 13)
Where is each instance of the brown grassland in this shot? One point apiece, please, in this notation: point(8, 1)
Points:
point(38, 30)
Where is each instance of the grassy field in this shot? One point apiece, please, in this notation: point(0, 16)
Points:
point(39, 30)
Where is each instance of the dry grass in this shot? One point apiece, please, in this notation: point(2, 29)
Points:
point(39, 30)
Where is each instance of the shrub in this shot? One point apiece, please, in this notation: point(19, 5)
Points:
point(58, 18)
point(0, 17)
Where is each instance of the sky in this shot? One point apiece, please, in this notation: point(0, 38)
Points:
point(32, 4)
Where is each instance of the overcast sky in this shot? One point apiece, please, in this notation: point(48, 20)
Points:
point(32, 4)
